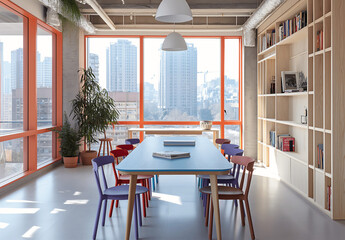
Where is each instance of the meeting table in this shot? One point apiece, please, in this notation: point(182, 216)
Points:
point(204, 158)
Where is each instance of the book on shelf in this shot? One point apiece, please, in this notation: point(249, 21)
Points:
point(171, 154)
point(286, 143)
point(290, 26)
point(319, 40)
point(320, 156)
point(329, 197)
point(179, 142)
point(273, 138)
point(268, 39)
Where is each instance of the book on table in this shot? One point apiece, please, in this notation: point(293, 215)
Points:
point(171, 154)
point(179, 142)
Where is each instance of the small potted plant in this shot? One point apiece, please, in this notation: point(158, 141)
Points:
point(94, 110)
point(69, 144)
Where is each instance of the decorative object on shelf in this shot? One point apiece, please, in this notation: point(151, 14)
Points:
point(286, 143)
point(304, 117)
point(319, 149)
point(273, 85)
point(174, 11)
point(205, 125)
point(319, 40)
point(303, 82)
point(69, 143)
point(289, 81)
point(94, 110)
point(174, 42)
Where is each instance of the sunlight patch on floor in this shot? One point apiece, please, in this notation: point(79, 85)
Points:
point(19, 210)
point(76, 202)
point(266, 172)
point(76, 193)
point(30, 233)
point(21, 201)
point(167, 198)
point(57, 210)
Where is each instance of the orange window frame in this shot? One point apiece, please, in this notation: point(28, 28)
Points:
point(222, 123)
point(30, 131)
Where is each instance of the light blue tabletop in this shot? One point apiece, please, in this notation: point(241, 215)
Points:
point(204, 157)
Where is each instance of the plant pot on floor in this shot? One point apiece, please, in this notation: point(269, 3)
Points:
point(87, 156)
point(70, 162)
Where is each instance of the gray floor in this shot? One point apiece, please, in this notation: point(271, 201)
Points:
point(40, 210)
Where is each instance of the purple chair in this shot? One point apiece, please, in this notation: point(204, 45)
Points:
point(132, 141)
point(114, 193)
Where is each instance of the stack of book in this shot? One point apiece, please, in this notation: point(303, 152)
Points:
point(320, 156)
point(273, 138)
point(293, 25)
point(286, 143)
point(319, 40)
point(329, 197)
point(171, 154)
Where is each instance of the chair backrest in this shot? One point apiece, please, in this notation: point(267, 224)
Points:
point(116, 154)
point(97, 163)
point(222, 141)
point(128, 147)
point(132, 141)
point(228, 146)
point(248, 164)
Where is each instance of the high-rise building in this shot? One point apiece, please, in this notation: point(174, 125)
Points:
point(122, 67)
point(178, 81)
point(17, 68)
point(93, 61)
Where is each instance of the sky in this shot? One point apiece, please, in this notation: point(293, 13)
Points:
point(208, 57)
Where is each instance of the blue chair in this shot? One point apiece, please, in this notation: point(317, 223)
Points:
point(132, 141)
point(113, 193)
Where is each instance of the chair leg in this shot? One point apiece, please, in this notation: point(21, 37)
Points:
point(242, 211)
point(144, 204)
point(148, 187)
point(117, 203)
point(157, 178)
point(135, 212)
point(249, 219)
point(97, 219)
point(111, 208)
point(207, 209)
point(153, 184)
point(104, 210)
point(210, 223)
point(139, 210)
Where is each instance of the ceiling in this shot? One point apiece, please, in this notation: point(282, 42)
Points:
point(139, 14)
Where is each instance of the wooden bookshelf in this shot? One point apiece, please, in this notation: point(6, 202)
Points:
point(323, 64)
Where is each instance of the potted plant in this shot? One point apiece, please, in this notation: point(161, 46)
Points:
point(93, 110)
point(69, 144)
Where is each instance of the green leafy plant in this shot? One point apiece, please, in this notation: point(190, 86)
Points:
point(93, 108)
point(70, 10)
point(69, 139)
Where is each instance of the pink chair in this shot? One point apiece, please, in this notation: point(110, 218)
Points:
point(233, 193)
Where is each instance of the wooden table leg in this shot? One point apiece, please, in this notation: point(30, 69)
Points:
point(130, 134)
point(131, 198)
point(215, 201)
point(215, 136)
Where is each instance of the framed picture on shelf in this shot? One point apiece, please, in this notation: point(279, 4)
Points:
point(289, 81)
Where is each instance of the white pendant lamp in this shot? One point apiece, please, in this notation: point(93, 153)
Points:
point(174, 42)
point(174, 11)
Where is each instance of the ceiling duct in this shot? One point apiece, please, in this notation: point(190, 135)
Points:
point(82, 23)
point(249, 27)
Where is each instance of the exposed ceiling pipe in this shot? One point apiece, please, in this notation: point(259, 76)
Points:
point(249, 27)
point(100, 11)
point(55, 5)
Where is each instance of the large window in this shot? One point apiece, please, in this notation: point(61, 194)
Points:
point(115, 64)
point(30, 92)
point(175, 88)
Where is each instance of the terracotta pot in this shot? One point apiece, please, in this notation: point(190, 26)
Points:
point(87, 156)
point(70, 162)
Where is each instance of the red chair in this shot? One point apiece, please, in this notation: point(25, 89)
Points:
point(233, 193)
point(128, 147)
point(124, 179)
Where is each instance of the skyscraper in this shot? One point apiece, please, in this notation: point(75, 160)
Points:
point(17, 68)
point(178, 81)
point(122, 67)
point(93, 62)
